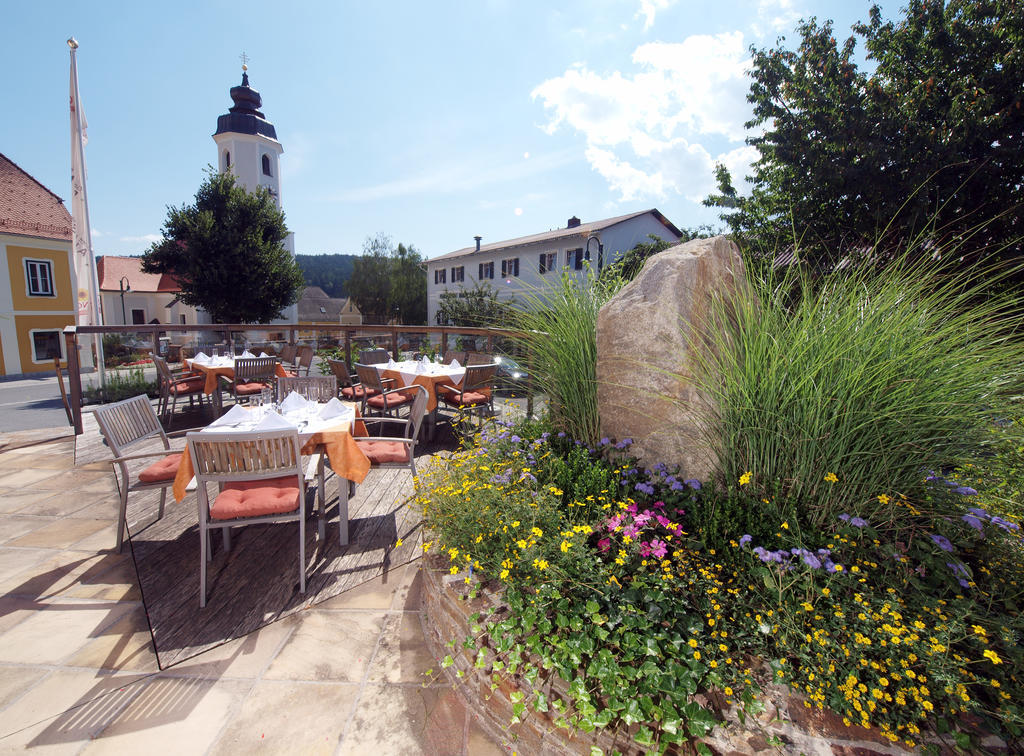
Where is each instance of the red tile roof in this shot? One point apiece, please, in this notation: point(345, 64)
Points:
point(112, 269)
point(29, 208)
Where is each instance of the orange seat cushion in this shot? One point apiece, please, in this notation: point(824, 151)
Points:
point(253, 498)
point(358, 392)
point(469, 398)
point(388, 400)
point(190, 386)
point(161, 471)
point(384, 452)
point(245, 389)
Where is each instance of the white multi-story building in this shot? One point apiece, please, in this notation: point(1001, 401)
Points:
point(517, 266)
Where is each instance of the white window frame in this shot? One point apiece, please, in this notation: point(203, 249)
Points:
point(48, 265)
point(36, 360)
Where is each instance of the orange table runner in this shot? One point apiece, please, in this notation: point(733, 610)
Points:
point(228, 371)
point(347, 459)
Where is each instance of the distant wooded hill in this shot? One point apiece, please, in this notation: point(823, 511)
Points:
point(329, 272)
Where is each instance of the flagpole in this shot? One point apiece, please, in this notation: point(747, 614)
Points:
point(92, 271)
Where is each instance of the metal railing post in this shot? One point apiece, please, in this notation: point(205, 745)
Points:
point(74, 377)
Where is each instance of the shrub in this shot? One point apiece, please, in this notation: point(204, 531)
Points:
point(122, 384)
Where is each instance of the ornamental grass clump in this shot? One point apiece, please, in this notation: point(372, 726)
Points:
point(560, 338)
point(875, 372)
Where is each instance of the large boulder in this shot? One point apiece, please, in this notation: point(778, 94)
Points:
point(645, 364)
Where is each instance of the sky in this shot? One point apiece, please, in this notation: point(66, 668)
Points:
point(431, 122)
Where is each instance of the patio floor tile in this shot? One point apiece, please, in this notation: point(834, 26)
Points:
point(407, 719)
point(380, 593)
point(58, 534)
point(402, 655)
point(57, 630)
point(328, 646)
point(125, 645)
point(245, 657)
point(290, 717)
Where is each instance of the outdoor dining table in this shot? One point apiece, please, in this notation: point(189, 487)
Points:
point(213, 367)
point(429, 375)
point(331, 435)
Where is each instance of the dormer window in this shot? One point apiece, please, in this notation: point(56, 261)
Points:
point(266, 166)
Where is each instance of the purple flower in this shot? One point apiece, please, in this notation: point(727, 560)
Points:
point(693, 483)
point(605, 441)
point(515, 439)
point(974, 522)
point(977, 512)
point(561, 434)
point(645, 488)
point(1004, 524)
point(676, 486)
point(811, 561)
point(942, 542)
point(965, 491)
point(844, 517)
point(624, 443)
point(545, 436)
point(857, 522)
point(762, 553)
point(745, 539)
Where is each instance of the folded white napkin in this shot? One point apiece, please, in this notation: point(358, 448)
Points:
point(391, 364)
point(421, 367)
point(455, 364)
point(201, 357)
point(335, 408)
point(294, 402)
point(263, 354)
point(425, 360)
point(247, 355)
point(273, 421)
point(237, 415)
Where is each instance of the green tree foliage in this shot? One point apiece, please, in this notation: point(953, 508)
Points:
point(478, 307)
point(925, 144)
point(330, 272)
point(631, 263)
point(387, 282)
point(227, 254)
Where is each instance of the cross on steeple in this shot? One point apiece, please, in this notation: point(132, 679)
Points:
point(245, 59)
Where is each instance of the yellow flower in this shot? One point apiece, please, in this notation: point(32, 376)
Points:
point(728, 690)
point(696, 655)
point(692, 642)
point(883, 499)
point(831, 477)
point(745, 478)
point(398, 542)
point(992, 656)
point(785, 526)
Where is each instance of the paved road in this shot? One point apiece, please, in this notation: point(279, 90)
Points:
point(31, 403)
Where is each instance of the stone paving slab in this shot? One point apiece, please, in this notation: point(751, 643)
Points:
point(78, 673)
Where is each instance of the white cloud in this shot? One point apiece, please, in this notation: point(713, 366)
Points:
point(774, 17)
point(144, 239)
point(646, 130)
point(648, 9)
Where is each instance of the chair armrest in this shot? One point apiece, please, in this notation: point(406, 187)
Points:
point(182, 432)
point(382, 419)
point(384, 438)
point(144, 455)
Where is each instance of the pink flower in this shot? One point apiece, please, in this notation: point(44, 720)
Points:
point(603, 544)
point(658, 548)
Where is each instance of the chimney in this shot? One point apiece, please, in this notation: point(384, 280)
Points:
point(478, 238)
point(573, 222)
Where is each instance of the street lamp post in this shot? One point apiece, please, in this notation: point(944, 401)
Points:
point(124, 285)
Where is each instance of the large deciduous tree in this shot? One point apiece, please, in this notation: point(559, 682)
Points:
point(227, 254)
point(925, 143)
point(387, 282)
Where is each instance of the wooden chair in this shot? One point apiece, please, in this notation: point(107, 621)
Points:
point(373, 356)
point(389, 451)
point(478, 358)
point(252, 375)
point(475, 394)
point(378, 397)
point(287, 355)
point(174, 386)
point(260, 480)
point(453, 354)
point(304, 360)
point(127, 425)
point(317, 388)
point(350, 388)
point(63, 391)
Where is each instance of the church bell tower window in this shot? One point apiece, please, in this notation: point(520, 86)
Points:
point(266, 166)
point(227, 161)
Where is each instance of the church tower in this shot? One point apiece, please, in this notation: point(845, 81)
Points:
point(247, 142)
point(247, 146)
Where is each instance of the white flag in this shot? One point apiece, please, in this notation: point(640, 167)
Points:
point(81, 237)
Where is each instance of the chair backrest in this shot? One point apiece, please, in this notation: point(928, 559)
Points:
point(452, 354)
point(304, 360)
point(129, 422)
point(163, 371)
point(254, 368)
point(287, 353)
point(416, 413)
point(253, 455)
point(373, 356)
point(369, 376)
point(341, 372)
point(479, 358)
point(317, 388)
point(479, 376)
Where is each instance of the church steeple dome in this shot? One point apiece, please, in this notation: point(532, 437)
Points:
point(245, 117)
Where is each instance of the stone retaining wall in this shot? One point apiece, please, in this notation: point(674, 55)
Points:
point(787, 725)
